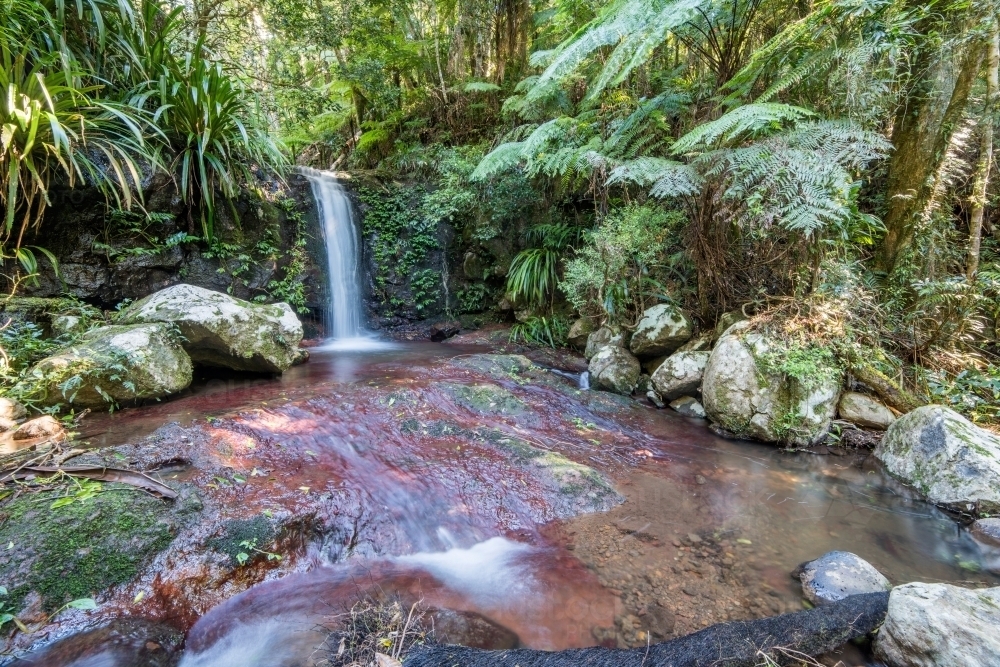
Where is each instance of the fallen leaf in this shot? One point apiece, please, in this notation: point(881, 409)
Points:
point(138, 598)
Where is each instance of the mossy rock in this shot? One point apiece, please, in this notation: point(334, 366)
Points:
point(486, 399)
point(239, 534)
point(81, 549)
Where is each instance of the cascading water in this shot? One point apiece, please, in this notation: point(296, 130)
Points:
point(343, 315)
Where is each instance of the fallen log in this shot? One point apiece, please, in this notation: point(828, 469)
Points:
point(734, 644)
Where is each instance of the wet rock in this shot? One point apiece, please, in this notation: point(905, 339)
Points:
point(945, 457)
point(838, 574)
point(11, 409)
point(42, 427)
point(680, 375)
point(987, 530)
point(579, 332)
point(614, 369)
point(220, 330)
point(600, 339)
point(655, 399)
point(931, 625)
point(120, 364)
point(689, 407)
point(751, 401)
point(470, 629)
point(125, 642)
point(662, 329)
point(443, 330)
point(864, 411)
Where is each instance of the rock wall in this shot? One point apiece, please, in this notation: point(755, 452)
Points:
point(108, 257)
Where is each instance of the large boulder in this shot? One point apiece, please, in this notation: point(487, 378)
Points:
point(120, 364)
point(938, 625)
point(223, 331)
point(945, 457)
point(838, 574)
point(680, 375)
point(662, 329)
point(986, 530)
point(864, 411)
point(602, 338)
point(748, 398)
point(615, 369)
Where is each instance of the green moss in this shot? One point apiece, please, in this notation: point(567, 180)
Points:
point(486, 398)
point(258, 531)
point(80, 549)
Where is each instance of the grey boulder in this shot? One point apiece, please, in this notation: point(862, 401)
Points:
point(220, 330)
point(838, 574)
point(614, 369)
point(114, 364)
point(688, 407)
point(864, 411)
point(945, 457)
point(600, 339)
point(987, 530)
point(662, 329)
point(680, 375)
point(939, 625)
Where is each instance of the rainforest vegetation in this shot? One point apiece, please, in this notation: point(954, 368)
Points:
point(826, 166)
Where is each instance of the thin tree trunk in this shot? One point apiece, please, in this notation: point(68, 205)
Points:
point(982, 178)
point(923, 131)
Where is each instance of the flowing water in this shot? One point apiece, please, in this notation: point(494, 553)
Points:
point(709, 529)
point(343, 316)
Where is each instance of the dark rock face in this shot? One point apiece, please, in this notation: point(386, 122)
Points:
point(107, 258)
point(443, 330)
point(737, 644)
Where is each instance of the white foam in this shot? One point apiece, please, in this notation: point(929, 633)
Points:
point(270, 643)
point(490, 573)
point(357, 344)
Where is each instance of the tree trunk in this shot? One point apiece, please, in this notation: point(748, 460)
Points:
point(982, 177)
point(923, 129)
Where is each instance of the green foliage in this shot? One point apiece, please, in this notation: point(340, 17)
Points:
point(622, 264)
point(551, 331)
point(810, 366)
point(973, 392)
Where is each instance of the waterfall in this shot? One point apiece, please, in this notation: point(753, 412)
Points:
point(343, 313)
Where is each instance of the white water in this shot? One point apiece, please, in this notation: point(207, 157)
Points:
point(343, 314)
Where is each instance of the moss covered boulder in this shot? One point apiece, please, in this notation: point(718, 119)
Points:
point(56, 554)
point(945, 457)
point(223, 331)
point(750, 388)
point(116, 364)
point(679, 375)
point(614, 369)
point(662, 329)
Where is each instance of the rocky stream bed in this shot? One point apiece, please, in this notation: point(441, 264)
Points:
point(485, 485)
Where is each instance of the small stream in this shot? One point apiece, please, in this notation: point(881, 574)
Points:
point(709, 530)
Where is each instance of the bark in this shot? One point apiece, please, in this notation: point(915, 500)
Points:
point(982, 177)
point(923, 130)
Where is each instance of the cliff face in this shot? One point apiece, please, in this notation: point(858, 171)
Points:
point(271, 249)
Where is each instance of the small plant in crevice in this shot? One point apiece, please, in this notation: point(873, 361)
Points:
point(375, 630)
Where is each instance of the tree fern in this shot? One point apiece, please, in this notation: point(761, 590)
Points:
point(742, 122)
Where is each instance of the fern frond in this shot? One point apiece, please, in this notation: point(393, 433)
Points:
point(740, 123)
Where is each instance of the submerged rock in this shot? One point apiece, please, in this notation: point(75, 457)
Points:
point(987, 530)
point(662, 329)
point(114, 364)
point(932, 625)
point(680, 375)
point(864, 411)
point(945, 457)
point(838, 574)
point(220, 330)
point(745, 397)
point(615, 369)
point(688, 407)
point(42, 427)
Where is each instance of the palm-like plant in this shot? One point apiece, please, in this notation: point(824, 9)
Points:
point(52, 128)
point(207, 121)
